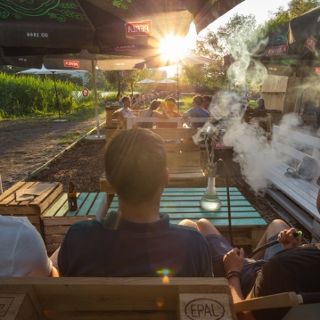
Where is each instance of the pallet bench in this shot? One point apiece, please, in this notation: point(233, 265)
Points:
point(295, 195)
point(175, 122)
point(114, 298)
point(134, 298)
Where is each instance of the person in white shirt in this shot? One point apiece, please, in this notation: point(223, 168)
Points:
point(22, 250)
point(125, 112)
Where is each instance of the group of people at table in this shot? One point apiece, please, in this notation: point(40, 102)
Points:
point(137, 241)
point(165, 109)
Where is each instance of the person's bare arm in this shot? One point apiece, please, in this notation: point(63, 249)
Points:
point(233, 264)
point(54, 272)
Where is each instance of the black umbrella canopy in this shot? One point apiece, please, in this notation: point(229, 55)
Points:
point(304, 33)
point(57, 26)
point(298, 39)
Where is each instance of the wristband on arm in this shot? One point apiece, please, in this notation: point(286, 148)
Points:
point(231, 274)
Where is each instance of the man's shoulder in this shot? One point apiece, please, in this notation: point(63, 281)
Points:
point(86, 225)
point(21, 223)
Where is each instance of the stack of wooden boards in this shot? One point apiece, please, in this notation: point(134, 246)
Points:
point(29, 199)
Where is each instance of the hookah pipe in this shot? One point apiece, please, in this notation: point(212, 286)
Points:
point(220, 169)
point(272, 243)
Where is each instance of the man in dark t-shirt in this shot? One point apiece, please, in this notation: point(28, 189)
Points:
point(295, 270)
point(135, 241)
point(292, 269)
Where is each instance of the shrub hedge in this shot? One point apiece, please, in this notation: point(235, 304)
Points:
point(31, 95)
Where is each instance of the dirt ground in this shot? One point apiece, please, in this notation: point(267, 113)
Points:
point(25, 145)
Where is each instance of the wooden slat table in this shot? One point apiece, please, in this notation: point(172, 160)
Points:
point(184, 203)
point(178, 203)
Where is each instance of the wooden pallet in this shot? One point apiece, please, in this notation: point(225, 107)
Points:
point(29, 199)
point(184, 203)
point(57, 219)
point(115, 298)
point(178, 203)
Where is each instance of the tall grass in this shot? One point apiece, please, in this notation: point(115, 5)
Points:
point(28, 95)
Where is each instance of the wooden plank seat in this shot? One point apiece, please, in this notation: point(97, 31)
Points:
point(114, 298)
point(135, 298)
point(177, 122)
point(29, 199)
point(296, 195)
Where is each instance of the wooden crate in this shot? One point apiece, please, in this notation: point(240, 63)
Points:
point(57, 219)
point(29, 199)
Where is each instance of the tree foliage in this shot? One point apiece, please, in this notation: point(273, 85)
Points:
point(232, 39)
point(295, 9)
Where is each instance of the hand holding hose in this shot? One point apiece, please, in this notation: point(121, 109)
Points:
point(289, 238)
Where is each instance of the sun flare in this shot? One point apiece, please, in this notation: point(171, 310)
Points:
point(173, 48)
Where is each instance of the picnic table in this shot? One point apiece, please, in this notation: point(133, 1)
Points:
point(178, 203)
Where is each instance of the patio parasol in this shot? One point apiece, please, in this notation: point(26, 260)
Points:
point(146, 81)
point(188, 59)
point(53, 72)
point(58, 26)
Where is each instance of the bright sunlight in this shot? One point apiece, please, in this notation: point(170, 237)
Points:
point(173, 48)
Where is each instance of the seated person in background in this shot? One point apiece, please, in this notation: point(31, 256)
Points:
point(153, 113)
point(22, 250)
point(206, 100)
point(125, 111)
point(137, 240)
point(170, 109)
point(260, 104)
point(197, 111)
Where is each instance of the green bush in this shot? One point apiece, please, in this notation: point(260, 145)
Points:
point(29, 95)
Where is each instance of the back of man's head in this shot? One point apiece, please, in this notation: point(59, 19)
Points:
point(135, 164)
point(197, 100)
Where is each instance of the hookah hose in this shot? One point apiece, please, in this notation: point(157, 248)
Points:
point(272, 243)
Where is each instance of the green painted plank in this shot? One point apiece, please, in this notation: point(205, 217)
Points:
point(197, 198)
point(64, 208)
point(199, 210)
point(192, 204)
point(84, 209)
point(186, 204)
point(235, 222)
point(199, 194)
point(101, 196)
point(80, 202)
point(50, 212)
point(222, 215)
point(187, 211)
point(190, 190)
